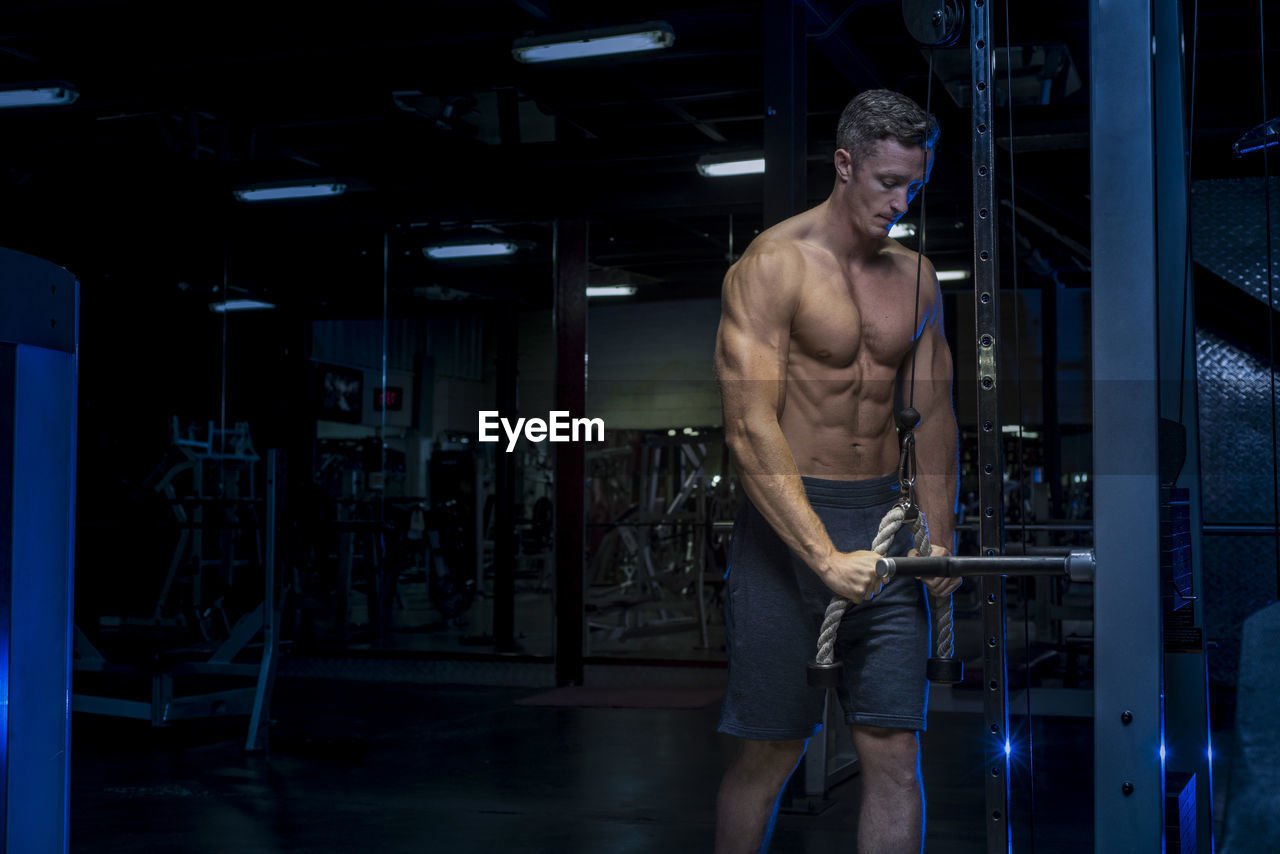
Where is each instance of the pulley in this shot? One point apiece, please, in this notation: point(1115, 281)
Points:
point(934, 23)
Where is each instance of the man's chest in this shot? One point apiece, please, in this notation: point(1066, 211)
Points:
point(846, 320)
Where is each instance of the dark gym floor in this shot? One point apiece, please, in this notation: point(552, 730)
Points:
point(401, 767)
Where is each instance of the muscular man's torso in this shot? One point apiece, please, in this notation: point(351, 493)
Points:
point(850, 334)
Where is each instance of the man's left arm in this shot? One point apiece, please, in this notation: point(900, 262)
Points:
point(937, 464)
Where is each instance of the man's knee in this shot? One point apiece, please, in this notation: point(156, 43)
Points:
point(888, 756)
point(774, 760)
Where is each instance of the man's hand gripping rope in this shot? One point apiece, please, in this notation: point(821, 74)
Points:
point(823, 670)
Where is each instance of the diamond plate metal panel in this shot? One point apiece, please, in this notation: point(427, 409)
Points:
point(1229, 232)
point(1235, 432)
point(1236, 487)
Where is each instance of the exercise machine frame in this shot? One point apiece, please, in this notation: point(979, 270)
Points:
point(39, 371)
point(1128, 76)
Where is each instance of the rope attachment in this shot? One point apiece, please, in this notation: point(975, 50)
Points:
point(823, 670)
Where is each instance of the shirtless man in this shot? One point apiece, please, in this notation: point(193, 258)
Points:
point(816, 337)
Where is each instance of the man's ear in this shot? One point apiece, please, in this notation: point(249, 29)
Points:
point(844, 165)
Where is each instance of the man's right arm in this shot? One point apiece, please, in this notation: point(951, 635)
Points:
point(759, 300)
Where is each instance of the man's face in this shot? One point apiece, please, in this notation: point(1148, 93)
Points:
point(881, 188)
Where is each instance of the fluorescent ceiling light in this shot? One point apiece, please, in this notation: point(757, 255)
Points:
point(491, 249)
point(653, 35)
point(50, 95)
point(952, 275)
point(726, 168)
point(289, 191)
point(902, 229)
point(240, 305)
point(610, 290)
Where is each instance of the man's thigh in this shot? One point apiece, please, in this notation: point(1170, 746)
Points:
point(884, 645)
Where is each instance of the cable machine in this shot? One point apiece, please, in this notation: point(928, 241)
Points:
point(1131, 82)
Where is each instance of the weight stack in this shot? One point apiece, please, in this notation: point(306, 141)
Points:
point(1179, 813)
point(1175, 548)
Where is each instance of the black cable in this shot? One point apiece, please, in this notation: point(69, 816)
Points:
point(382, 438)
point(1023, 583)
point(1271, 344)
point(222, 391)
point(924, 176)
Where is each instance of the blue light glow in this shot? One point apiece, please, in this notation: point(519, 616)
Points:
point(1162, 753)
point(239, 305)
point(1008, 748)
point(583, 48)
point(43, 96)
point(290, 191)
point(469, 250)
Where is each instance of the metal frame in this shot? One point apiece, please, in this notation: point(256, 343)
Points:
point(163, 708)
point(1128, 712)
point(39, 320)
point(1128, 671)
point(986, 298)
point(786, 109)
point(1186, 682)
point(570, 322)
point(256, 740)
point(1129, 745)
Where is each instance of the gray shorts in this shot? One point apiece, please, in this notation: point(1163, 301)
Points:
point(773, 610)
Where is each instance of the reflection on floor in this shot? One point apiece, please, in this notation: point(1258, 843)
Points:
point(364, 766)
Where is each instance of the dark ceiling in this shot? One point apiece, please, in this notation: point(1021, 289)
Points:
point(421, 110)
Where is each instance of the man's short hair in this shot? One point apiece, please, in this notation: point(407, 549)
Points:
point(883, 114)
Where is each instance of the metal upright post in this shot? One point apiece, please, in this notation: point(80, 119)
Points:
point(570, 317)
point(39, 332)
point(504, 494)
point(986, 294)
point(785, 109)
point(256, 740)
point(1050, 396)
point(1128, 666)
point(1186, 676)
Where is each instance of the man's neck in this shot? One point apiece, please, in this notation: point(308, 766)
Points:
point(845, 238)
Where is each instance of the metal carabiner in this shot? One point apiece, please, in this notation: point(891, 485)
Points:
point(907, 421)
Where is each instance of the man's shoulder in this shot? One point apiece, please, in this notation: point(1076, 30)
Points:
point(767, 279)
point(785, 246)
point(770, 255)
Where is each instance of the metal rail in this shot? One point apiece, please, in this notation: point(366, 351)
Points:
point(986, 297)
point(1078, 565)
